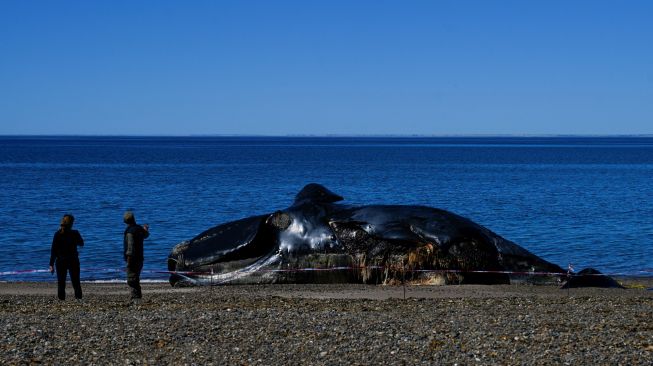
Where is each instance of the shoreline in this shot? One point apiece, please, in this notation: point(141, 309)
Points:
point(326, 324)
point(50, 287)
point(633, 285)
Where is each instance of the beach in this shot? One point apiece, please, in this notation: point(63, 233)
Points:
point(327, 324)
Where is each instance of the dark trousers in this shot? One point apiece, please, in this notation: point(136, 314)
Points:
point(134, 278)
point(64, 266)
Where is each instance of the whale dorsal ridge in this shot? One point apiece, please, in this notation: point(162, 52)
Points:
point(314, 192)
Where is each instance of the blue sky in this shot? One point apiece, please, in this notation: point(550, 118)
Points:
point(326, 67)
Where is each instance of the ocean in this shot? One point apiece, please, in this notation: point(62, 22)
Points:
point(579, 200)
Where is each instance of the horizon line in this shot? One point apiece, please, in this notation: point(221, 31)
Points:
point(331, 135)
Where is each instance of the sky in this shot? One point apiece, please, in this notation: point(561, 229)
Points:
point(326, 67)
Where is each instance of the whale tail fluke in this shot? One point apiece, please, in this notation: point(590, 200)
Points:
point(590, 277)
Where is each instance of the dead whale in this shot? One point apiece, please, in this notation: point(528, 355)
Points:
point(320, 240)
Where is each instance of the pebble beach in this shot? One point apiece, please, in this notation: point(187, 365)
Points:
point(327, 325)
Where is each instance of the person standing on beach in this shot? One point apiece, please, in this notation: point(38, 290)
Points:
point(133, 251)
point(64, 255)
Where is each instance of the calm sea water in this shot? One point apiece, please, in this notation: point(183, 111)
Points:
point(585, 201)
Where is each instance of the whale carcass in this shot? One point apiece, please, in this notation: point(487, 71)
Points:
point(320, 240)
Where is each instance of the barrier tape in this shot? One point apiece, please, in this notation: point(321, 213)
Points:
point(644, 272)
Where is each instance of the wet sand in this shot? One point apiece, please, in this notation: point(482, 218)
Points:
point(327, 324)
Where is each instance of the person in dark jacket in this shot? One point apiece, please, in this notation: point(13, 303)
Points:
point(133, 252)
point(65, 256)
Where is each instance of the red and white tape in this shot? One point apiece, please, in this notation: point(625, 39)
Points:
point(648, 272)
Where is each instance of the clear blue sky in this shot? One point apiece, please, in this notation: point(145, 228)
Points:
point(326, 67)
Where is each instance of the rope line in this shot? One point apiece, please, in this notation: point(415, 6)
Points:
point(644, 272)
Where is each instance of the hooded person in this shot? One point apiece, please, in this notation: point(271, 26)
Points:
point(65, 258)
point(133, 253)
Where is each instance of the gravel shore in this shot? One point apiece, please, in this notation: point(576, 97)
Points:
point(327, 325)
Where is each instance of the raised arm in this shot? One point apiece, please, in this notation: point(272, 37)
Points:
point(146, 231)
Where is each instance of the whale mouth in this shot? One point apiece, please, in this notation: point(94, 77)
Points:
point(223, 253)
point(227, 272)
